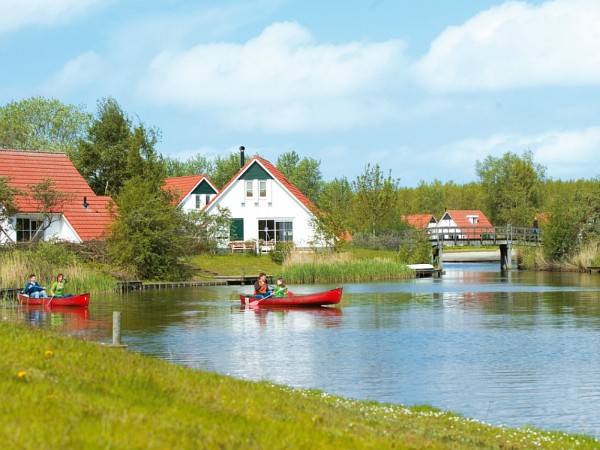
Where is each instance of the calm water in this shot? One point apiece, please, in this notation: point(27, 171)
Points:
point(510, 349)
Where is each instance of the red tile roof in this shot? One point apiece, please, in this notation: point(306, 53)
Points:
point(419, 220)
point(460, 217)
point(182, 186)
point(26, 168)
point(303, 199)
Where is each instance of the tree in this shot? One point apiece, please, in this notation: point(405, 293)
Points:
point(335, 203)
point(304, 173)
point(376, 201)
point(49, 203)
point(225, 167)
point(208, 231)
point(115, 150)
point(148, 237)
point(8, 204)
point(38, 123)
point(512, 187)
point(192, 166)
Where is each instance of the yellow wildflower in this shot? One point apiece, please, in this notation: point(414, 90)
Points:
point(21, 374)
point(49, 353)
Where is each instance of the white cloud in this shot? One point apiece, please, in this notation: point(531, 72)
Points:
point(517, 45)
point(565, 154)
point(79, 72)
point(282, 80)
point(17, 14)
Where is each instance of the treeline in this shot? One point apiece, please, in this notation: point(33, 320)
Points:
point(118, 157)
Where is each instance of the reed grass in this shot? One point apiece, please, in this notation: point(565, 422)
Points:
point(16, 266)
point(70, 394)
point(306, 268)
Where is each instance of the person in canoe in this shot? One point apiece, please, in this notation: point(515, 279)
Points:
point(261, 287)
point(280, 289)
point(58, 287)
point(33, 289)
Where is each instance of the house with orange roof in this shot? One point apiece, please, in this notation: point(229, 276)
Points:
point(266, 207)
point(80, 216)
point(420, 220)
point(464, 224)
point(192, 192)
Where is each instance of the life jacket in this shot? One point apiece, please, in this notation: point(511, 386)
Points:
point(262, 288)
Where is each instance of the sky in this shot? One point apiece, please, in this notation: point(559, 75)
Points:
point(424, 89)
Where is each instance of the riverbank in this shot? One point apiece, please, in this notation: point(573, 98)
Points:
point(67, 393)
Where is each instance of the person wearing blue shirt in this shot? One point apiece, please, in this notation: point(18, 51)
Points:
point(33, 289)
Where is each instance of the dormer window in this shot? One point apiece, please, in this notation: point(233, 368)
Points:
point(262, 188)
point(249, 187)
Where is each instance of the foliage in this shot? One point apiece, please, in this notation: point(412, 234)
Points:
point(208, 232)
point(281, 252)
point(335, 204)
point(115, 151)
point(147, 236)
point(38, 123)
point(303, 173)
point(192, 166)
point(224, 169)
point(375, 203)
point(562, 233)
point(341, 268)
point(512, 187)
point(8, 203)
point(46, 260)
point(415, 248)
point(47, 201)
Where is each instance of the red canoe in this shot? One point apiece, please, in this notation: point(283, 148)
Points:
point(75, 300)
point(331, 297)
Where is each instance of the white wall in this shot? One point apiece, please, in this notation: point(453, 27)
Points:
point(59, 229)
point(189, 202)
point(278, 205)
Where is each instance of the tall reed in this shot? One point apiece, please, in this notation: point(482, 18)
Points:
point(338, 268)
point(17, 265)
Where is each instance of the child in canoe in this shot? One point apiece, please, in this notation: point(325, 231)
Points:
point(280, 289)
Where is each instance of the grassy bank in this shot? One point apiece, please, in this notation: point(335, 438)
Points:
point(69, 394)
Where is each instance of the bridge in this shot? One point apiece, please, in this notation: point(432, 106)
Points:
point(504, 237)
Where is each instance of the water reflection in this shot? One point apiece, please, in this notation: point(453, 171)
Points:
point(513, 348)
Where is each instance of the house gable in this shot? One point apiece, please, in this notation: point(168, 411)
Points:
point(185, 190)
point(265, 205)
point(204, 188)
point(255, 172)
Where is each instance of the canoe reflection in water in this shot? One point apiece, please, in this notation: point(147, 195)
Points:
point(65, 317)
point(328, 316)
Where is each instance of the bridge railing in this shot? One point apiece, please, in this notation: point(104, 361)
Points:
point(484, 235)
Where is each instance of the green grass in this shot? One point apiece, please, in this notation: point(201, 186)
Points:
point(236, 264)
point(69, 394)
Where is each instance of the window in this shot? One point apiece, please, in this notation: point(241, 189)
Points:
point(262, 188)
point(206, 199)
point(279, 231)
point(198, 201)
point(249, 188)
point(26, 229)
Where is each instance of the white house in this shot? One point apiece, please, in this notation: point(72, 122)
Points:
point(265, 207)
point(79, 216)
point(192, 192)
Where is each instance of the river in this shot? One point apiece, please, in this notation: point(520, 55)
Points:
point(515, 348)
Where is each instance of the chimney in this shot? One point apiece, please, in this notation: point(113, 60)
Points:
point(242, 159)
point(85, 203)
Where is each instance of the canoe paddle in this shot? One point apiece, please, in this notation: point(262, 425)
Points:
point(50, 302)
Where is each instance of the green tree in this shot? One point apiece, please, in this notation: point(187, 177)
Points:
point(335, 203)
point(208, 232)
point(225, 167)
point(304, 173)
point(44, 124)
point(512, 187)
point(192, 166)
point(147, 237)
point(115, 150)
point(8, 204)
point(49, 202)
point(376, 201)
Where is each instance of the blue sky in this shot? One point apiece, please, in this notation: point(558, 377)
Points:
point(423, 88)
